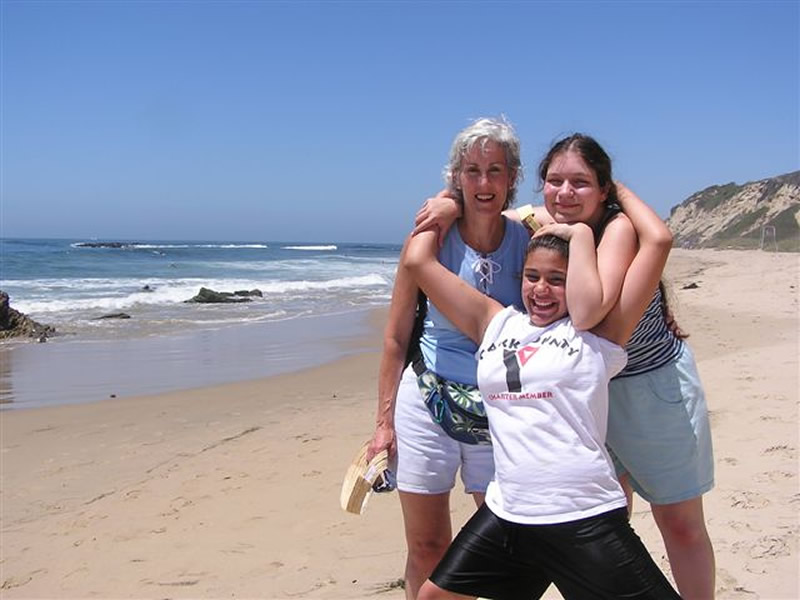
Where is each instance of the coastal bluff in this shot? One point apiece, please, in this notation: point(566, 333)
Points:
point(759, 214)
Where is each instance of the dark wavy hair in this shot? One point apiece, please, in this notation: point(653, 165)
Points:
point(549, 242)
point(593, 155)
point(599, 161)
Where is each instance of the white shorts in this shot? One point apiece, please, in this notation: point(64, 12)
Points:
point(427, 458)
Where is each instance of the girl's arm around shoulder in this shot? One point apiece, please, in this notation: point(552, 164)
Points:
point(466, 307)
point(438, 214)
point(533, 217)
point(615, 253)
point(594, 275)
point(644, 273)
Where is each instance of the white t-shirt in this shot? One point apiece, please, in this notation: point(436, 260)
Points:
point(546, 396)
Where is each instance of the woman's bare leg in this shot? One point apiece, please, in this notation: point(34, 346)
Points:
point(426, 518)
point(431, 591)
point(689, 548)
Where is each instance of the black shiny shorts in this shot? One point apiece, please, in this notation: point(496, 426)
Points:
point(593, 558)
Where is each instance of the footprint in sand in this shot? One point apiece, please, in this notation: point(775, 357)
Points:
point(315, 586)
point(241, 548)
point(728, 586)
point(762, 552)
point(388, 586)
point(747, 500)
point(782, 450)
point(773, 476)
point(769, 546)
point(740, 526)
point(767, 417)
point(14, 582)
point(176, 505)
point(179, 583)
point(79, 570)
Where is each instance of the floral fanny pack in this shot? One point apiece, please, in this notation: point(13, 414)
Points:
point(456, 407)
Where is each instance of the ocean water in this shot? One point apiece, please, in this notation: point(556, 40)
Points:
point(314, 306)
point(69, 285)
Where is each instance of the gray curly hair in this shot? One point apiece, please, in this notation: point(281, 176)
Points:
point(481, 131)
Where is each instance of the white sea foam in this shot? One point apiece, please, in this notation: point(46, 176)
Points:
point(69, 287)
point(344, 282)
point(151, 246)
point(326, 247)
point(223, 246)
point(76, 295)
point(239, 318)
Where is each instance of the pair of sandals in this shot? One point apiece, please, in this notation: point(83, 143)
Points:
point(364, 477)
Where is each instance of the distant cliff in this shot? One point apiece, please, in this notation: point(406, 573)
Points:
point(740, 216)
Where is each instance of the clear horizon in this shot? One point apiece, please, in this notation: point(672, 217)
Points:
point(196, 241)
point(330, 122)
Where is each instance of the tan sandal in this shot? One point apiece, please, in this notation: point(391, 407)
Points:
point(361, 476)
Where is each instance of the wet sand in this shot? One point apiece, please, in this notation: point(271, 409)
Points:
point(70, 370)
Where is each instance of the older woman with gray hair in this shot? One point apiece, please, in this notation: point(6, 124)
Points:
point(430, 416)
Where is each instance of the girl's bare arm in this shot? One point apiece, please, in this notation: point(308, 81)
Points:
point(644, 273)
point(466, 307)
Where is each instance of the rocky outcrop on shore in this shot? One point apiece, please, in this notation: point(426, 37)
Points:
point(15, 324)
point(206, 296)
point(759, 214)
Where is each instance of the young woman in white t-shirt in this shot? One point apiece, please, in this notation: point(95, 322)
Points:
point(554, 512)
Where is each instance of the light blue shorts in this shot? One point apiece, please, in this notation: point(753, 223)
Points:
point(427, 458)
point(658, 432)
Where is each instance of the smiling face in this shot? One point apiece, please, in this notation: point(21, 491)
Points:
point(572, 193)
point(544, 286)
point(484, 178)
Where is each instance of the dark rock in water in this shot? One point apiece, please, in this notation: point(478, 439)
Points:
point(246, 293)
point(4, 307)
point(15, 324)
point(206, 295)
point(690, 286)
point(117, 315)
point(102, 244)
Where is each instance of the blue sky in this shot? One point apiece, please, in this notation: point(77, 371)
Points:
point(331, 121)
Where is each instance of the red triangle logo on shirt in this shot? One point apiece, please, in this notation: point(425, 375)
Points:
point(525, 353)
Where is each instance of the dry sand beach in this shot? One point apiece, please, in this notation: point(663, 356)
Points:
point(233, 491)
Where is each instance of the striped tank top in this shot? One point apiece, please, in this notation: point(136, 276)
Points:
point(652, 344)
